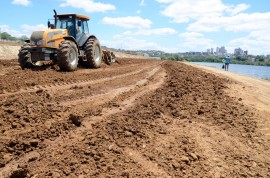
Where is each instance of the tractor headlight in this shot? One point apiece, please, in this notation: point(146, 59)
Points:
point(32, 43)
point(40, 43)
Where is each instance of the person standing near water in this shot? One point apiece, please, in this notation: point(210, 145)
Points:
point(223, 63)
point(227, 62)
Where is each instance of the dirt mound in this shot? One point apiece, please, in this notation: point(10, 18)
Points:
point(135, 118)
point(9, 51)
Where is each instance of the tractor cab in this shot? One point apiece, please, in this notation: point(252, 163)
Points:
point(75, 24)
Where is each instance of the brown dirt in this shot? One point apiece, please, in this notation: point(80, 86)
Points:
point(6, 43)
point(134, 118)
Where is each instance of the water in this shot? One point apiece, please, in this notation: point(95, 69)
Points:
point(262, 72)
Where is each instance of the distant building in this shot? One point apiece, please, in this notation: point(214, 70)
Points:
point(221, 51)
point(217, 50)
point(240, 52)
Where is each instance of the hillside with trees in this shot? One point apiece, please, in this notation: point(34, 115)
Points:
point(7, 37)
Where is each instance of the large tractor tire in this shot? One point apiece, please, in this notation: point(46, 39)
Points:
point(67, 56)
point(93, 53)
point(24, 57)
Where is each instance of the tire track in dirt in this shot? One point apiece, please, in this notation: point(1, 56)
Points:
point(142, 87)
point(67, 85)
point(53, 119)
point(102, 98)
point(48, 75)
point(130, 99)
point(89, 71)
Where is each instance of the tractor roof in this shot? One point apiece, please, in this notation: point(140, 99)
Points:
point(79, 16)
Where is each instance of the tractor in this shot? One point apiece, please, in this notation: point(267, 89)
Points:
point(66, 42)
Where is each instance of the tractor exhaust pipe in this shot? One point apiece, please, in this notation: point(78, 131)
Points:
point(55, 17)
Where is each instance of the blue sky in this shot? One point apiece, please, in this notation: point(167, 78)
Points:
point(167, 25)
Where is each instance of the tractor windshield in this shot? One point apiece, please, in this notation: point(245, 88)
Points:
point(66, 23)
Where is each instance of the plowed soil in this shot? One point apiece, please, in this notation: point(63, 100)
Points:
point(133, 118)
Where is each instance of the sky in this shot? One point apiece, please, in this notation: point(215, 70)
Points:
point(167, 25)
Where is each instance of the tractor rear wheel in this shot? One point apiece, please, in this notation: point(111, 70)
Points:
point(67, 56)
point(93, 53)
point(24, 57)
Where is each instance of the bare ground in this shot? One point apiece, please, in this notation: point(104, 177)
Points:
point(134, 118)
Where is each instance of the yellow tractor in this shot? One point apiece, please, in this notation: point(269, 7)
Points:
point(67, 42)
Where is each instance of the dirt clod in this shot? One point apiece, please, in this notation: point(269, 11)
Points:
point(19, 173)
point(76, 120)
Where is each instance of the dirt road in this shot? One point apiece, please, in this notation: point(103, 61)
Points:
point(134, 118)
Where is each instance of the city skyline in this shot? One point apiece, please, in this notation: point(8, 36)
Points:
point(166, 25)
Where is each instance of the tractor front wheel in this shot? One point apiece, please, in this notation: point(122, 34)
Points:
point(24, 57)
point(67, 56)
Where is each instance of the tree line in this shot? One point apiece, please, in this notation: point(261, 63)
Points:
point(8, 37)
point(248, 60)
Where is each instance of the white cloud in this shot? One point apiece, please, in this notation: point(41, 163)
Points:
point(30, 28)
point(142, 3)
point(88, 5)
point(138, 11)
point(129, 43)
point(257, 42)
point(237, 23)
point(12, 32)
point(239, 8)
point(192, 41)
point(25, 29)
point(157, 31)
point(21, 2)
point(182, 11)
point(185, 10)
point(261, 35)
point(127, 22)
point(190, 35)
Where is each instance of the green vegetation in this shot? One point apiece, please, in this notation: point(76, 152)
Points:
point(8, 37)
point(175, 57)
point(247, 60)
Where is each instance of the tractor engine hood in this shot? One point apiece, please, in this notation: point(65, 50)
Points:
point(47, 38)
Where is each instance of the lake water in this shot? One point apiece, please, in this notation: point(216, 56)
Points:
point(262, 72)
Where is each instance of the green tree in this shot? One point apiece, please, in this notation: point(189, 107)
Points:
point(259, 58)
point(5, 36)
